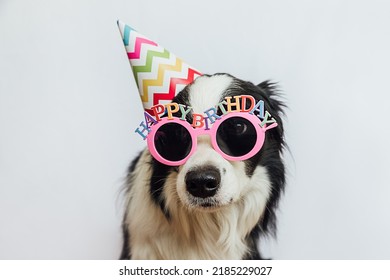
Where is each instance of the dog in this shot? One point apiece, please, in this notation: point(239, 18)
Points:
point(208, 207)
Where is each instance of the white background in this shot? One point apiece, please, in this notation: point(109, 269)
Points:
point(69, 105)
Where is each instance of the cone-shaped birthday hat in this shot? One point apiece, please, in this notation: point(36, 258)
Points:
point(159, 74)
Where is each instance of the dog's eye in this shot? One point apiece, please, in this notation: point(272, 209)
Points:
point(236, 136)
point(173, 141)
point(240, 128)
point(235, 127)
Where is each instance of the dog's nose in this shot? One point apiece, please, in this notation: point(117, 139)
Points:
point(203, 182)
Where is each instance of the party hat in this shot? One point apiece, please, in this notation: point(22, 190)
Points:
point(159, 74)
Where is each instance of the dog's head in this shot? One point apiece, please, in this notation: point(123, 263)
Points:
point(209, 182)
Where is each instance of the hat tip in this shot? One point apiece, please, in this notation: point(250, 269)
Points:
point(122, 26)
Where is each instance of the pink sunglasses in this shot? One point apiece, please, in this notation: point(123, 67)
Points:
point(236, 136)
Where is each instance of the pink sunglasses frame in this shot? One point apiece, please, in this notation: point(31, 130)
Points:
point(212, 132)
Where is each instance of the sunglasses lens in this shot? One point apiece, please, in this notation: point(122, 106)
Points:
point(236, 136)
point(173, 141)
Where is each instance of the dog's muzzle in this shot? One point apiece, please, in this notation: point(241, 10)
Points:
point(203, 181)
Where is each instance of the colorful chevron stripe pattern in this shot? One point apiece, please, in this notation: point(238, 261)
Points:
point(159, 74)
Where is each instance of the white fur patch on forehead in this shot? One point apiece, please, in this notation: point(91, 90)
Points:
point(206, 92)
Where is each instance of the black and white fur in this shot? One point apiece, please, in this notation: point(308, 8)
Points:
point(162, 220)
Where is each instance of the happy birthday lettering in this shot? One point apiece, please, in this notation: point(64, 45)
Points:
point(240, 103)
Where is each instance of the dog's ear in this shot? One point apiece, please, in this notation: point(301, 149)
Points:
point(271, 95)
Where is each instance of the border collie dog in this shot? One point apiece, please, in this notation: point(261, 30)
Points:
point(167, 214)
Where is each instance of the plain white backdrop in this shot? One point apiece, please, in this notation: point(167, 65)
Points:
point(69, 105)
